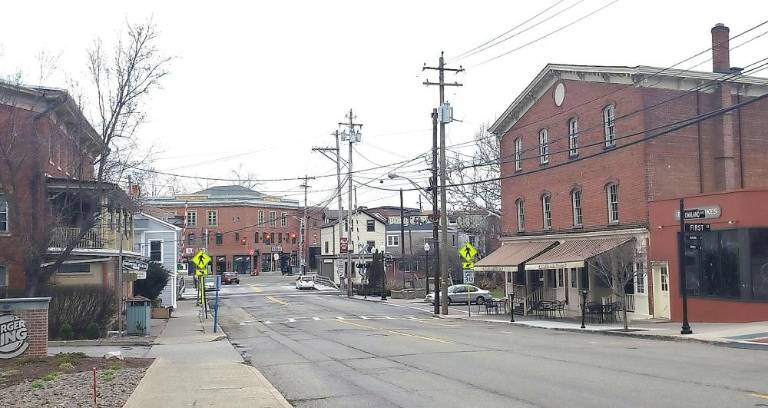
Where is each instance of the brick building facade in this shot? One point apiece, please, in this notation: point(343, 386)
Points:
point(585, 149)
point(245, 229)
point(46, 182)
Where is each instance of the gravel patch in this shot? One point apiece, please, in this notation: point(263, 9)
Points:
point(75, 390)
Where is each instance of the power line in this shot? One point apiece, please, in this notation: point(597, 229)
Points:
point(591, 13)
point(492, 42)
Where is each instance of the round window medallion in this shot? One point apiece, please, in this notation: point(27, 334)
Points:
point(559, 94)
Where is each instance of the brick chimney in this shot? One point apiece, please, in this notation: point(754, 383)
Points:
point(727, 176)
point(721, 59)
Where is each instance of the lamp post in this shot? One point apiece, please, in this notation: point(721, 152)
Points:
point(584, 293)
point(426, 255)
point(512, 307)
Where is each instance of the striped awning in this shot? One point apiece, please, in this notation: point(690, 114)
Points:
point(511, 254)
point(573, 253)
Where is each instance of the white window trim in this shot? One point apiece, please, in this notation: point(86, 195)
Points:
point(578, 216)
point(187, 218)
point(215, 218)
point(573, 137)
point(518, 154)
point(546, 201)
point(273, 218)
point(283, 219)
point(261, 217)
point(149, 249)
point(520, 205)
point(609, 126)
point(611, 219)
point(4, 283)
point(4, 208)
point(391, 238)
point(543, 146)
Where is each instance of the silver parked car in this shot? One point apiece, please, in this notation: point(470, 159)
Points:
point(460, 294)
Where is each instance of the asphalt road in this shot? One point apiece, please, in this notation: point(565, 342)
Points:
point(324, 350)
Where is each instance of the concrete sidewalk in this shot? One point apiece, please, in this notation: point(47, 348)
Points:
point(195, 367)
point(753, 334)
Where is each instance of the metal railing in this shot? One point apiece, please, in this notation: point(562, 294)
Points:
point(63, 236)
point(322, 280)
point(629, 302)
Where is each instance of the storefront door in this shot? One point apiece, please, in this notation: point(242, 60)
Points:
point(661, 290)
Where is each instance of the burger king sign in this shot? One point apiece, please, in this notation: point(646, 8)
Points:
point(13, 336)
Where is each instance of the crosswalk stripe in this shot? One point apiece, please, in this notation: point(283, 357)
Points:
point(363, 317)
point(339, 317)
point(315, 318)
point(291, 320)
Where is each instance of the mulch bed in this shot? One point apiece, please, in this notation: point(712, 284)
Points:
point(16, 371)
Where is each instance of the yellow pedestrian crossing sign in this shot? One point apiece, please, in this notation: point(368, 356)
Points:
point(201, 272)
point(467, 265)
point(201, 259)
point(467, 252)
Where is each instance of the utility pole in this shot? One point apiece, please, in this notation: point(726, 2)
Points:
point(402, 237)
point(435, 212)
point(336, 159)
point(352, 134)
point(303, 229)
point(444, 117)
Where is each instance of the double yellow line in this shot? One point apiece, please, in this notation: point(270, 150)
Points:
point(395, 332)
point(276, 300)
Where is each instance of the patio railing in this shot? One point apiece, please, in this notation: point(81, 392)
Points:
point(63, 236)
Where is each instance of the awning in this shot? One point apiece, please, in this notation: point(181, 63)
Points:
point(512, 254)
point(572, 253)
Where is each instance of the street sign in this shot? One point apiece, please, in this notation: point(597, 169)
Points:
point(467, 252)
point(694, 213)
point(697, 227)
point(469, 276)
point(467, 265)
point(276, 257)
point(201, 259)
point(693, 237)
point(703, 211)
point(201, 272)
point(343, 245)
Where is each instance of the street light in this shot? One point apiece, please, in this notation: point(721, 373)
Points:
point(420, 189)
point(426, 255)
point(584, 293)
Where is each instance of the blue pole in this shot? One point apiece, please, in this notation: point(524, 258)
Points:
point(216, 304)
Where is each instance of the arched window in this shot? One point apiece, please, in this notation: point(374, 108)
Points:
point(573, 137)
point(576, 207)
point(518, 154)
point(543, 146)
point(520, 205)
point(546, 210)
point(612, 196)
point(609, 125)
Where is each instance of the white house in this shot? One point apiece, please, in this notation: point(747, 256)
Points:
point(159, 241)
point(368, 233)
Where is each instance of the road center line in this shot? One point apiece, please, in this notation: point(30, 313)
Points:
point(275, 300)
point(416, 336)
point(756, 395)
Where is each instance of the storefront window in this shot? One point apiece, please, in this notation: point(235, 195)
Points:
point(724, 268)
point(758, 248)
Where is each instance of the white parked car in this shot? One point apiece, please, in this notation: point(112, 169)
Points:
point(305, 282)
point(460, 294)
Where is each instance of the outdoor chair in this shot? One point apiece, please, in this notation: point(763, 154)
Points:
point(491, 305)
point(594, 311)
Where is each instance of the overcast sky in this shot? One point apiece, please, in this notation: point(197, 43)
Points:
point(256, 84)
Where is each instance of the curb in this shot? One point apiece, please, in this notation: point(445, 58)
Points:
point(641, 335)
point(101, 342)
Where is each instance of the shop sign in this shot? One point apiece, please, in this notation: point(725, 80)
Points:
point(701, 212)
point(13, 336)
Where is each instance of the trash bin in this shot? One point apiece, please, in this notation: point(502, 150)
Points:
point(138, 314)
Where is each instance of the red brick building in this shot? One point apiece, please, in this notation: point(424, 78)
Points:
point(47, 149)
point(586, 150)
point(245, 229)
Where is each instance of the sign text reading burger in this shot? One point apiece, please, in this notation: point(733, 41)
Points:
point(13, 336)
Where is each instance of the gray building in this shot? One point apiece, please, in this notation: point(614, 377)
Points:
point(159, 241)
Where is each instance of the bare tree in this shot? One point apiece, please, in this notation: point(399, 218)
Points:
point(474, 192)
point(122, 77)
point(244, 178)
point(616, 269)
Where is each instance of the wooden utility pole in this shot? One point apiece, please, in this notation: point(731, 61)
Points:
point(444, 117)
point(352, 135)
point(303, 229)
